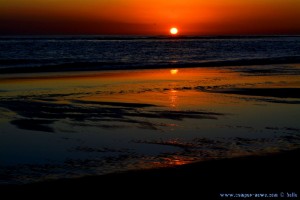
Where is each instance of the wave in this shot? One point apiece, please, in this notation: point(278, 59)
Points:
point(8, 62)
point(39, 66)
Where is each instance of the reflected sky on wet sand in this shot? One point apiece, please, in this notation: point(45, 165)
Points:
point(74, 124)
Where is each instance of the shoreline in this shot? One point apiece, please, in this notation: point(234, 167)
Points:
point(103, 66)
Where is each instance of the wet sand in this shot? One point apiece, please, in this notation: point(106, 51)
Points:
point(264, 92)
point(270, 173)
point(104, 123)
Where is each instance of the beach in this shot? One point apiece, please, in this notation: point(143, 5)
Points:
point(102, 114)
point(81, 124)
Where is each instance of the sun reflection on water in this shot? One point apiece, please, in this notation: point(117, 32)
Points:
point(173, 98)
point(174, 71)
point(173, 161)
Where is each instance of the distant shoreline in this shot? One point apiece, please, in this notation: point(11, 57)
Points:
point(138, 37)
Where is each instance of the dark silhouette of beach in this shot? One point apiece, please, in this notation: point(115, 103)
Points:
point(271, 173)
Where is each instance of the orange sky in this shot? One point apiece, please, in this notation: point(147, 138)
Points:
point(201, 17)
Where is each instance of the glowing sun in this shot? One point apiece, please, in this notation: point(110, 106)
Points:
point(174, 31)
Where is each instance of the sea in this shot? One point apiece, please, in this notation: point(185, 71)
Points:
point(84, 53)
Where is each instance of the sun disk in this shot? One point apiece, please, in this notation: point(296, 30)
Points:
point(173, 31)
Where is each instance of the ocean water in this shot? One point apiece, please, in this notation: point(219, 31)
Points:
point(80, 53)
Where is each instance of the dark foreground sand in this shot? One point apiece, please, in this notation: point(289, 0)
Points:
point(273, 173)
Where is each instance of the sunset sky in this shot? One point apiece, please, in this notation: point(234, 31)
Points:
point(155, 17)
